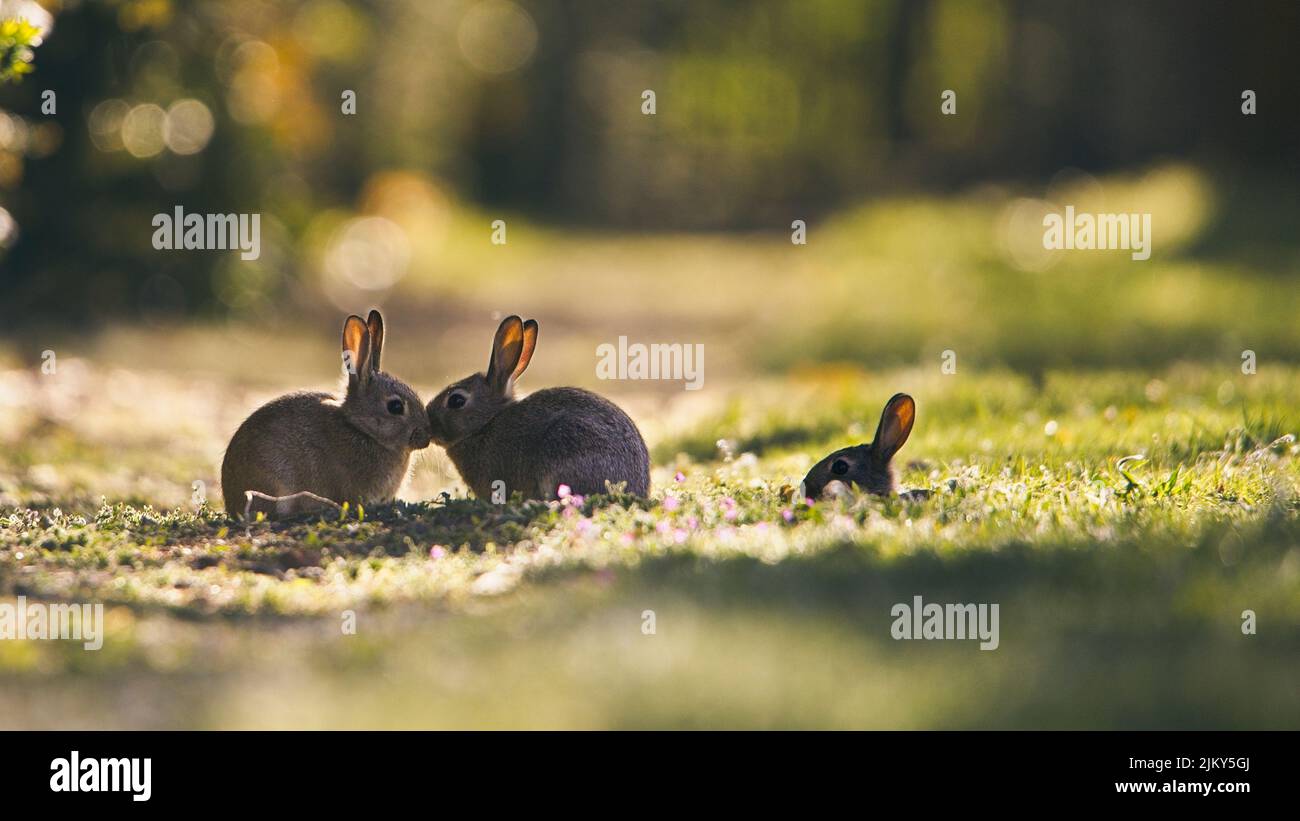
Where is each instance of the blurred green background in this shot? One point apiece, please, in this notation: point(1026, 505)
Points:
point(1121, 594)
point(473, 110)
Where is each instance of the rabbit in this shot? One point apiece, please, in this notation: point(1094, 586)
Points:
point(557, 436)
point(304, 445)
point(867, 466)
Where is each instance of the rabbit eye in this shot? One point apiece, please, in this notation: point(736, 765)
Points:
point(456, 400)
point(396, 407)
point(839, 467)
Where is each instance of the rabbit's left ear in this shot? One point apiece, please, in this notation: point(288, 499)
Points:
point(356, 350)
point(895, 426)
point(507, 351)
point(375, 323)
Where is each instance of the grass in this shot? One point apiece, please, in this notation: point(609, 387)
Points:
point(1121, 587)
point(1121, 595)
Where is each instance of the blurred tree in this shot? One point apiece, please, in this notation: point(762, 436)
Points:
point(765, 109)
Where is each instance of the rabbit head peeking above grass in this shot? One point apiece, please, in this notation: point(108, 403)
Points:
point(867, 466)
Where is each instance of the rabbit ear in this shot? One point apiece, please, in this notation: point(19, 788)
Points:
point(895, 426)
point(356, 350)
point(375, 323)
point(530, 345)
point(507, 350)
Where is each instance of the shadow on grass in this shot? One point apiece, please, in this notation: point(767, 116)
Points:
point(1129, 634)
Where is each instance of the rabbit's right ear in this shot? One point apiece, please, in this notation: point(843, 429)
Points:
point(530, 345)
point(507, 351)
point(895, 426)
point(356, 350)
point(375, 322)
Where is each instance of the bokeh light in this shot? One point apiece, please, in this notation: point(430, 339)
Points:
point(254, 94)
point(497, 36)
point(142, 130)
point(8, 229)
point(105, 123)
point(370, 253)
point(188, 127)
point(1021, 234)
point(331, 30)
point(13, 133)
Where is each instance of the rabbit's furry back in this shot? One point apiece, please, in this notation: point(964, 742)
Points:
point(303, 442)
point(557, 436)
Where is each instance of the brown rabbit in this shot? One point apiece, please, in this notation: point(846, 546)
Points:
point(867, 466)
point(557, 436)
point(355, 449)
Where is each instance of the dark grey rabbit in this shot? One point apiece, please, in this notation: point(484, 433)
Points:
point(306, 445)
point(557, 436)
point(867, 466)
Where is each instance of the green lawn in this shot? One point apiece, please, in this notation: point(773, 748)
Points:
point(1120, 597)
point(1121, 593)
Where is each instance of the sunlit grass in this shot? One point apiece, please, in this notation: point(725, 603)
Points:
point(1121, 590)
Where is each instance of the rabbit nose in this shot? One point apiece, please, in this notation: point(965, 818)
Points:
point(811, 488)
point(434, 429)
point(420, 438)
